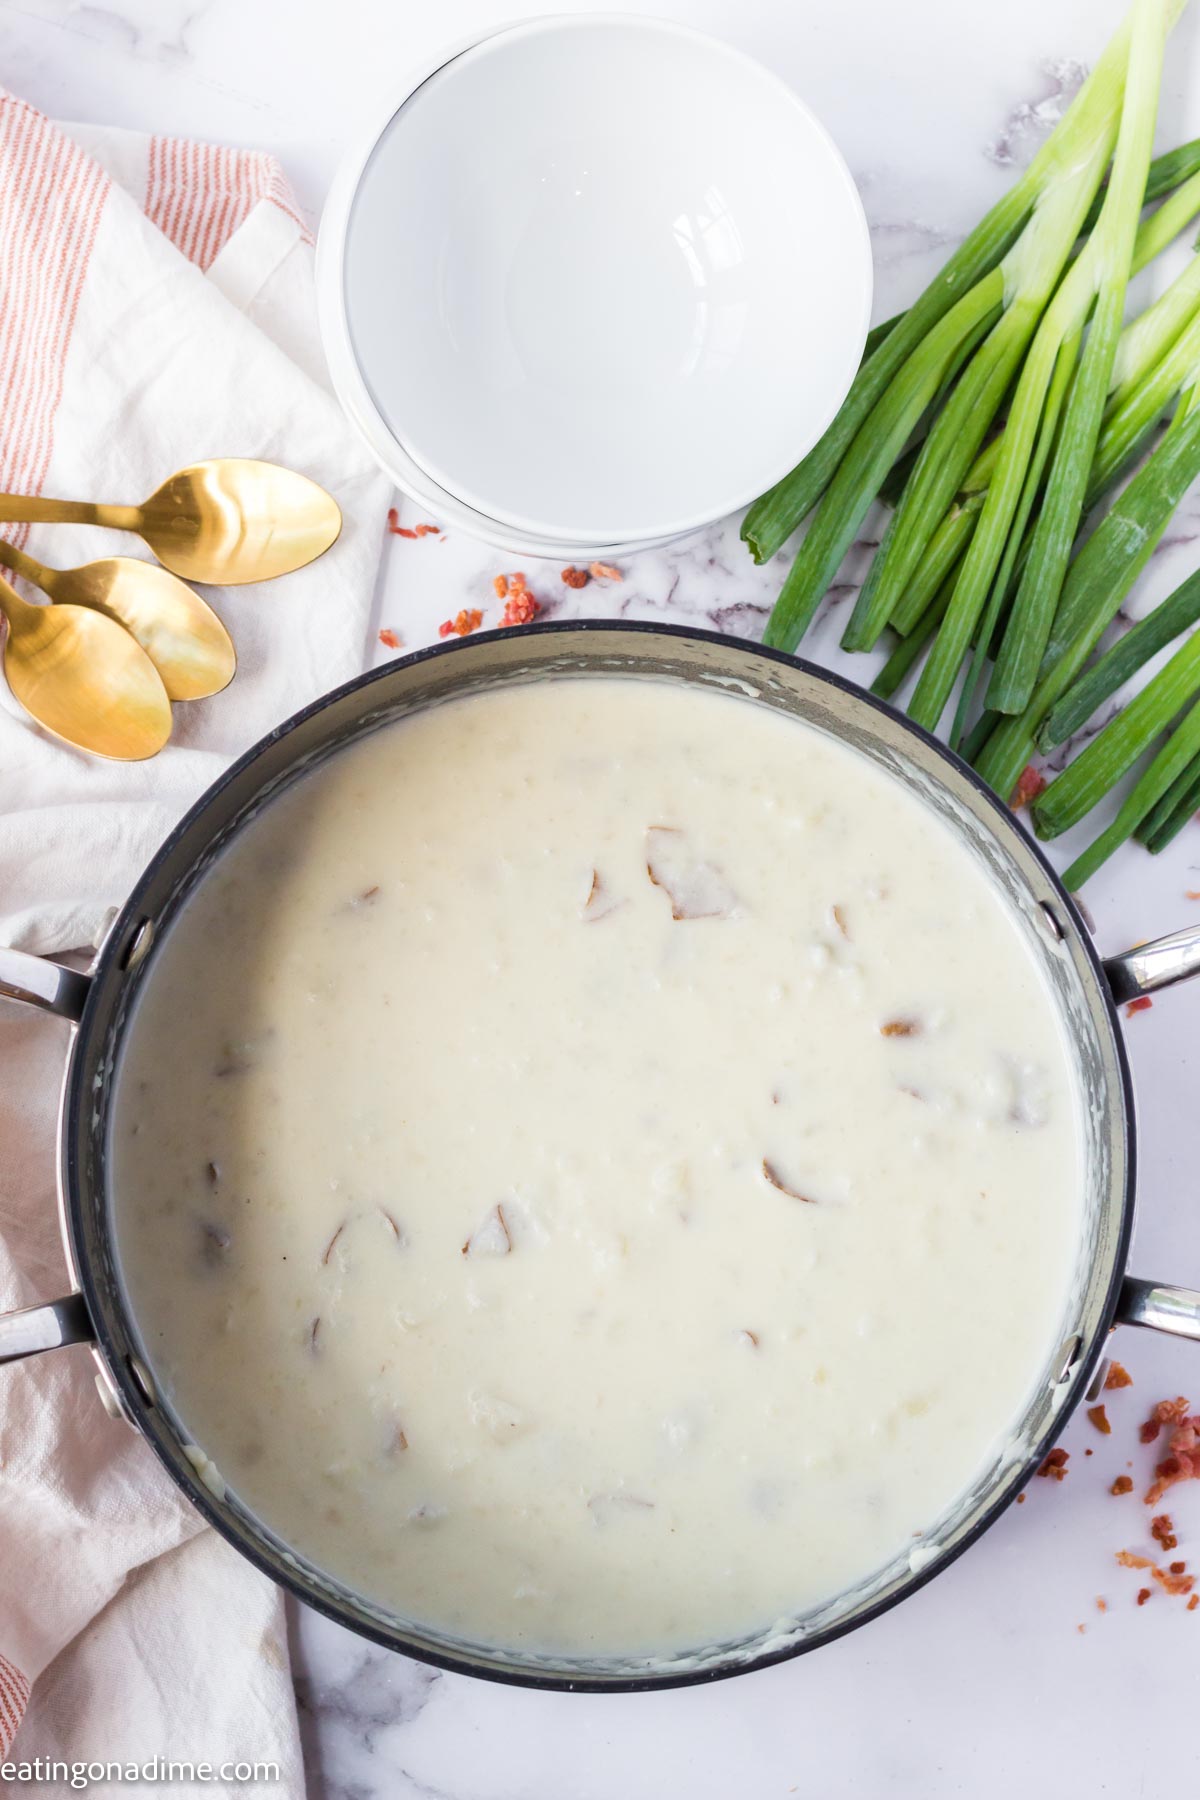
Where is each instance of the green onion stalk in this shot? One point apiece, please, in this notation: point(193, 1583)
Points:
point(1177, 756)
point(1144, 640)
point(1167, 818)
point(1098, 580)
point(1007, 267)
point(1113, 751)
point(1096, 281)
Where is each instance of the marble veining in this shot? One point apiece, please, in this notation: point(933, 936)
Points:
point(1002, 1675)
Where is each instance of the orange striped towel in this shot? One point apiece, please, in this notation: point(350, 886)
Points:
point(156, 307)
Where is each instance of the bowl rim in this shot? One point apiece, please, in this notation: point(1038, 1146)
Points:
point(395, 453)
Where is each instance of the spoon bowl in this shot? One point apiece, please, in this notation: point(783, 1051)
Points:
point(234, 520)
point(180, 632)
point(84, 678)
point(228, 521)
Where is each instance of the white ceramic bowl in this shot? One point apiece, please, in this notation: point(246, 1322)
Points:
point(595, 281)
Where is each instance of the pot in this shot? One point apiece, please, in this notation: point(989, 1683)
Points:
point(1085, 990)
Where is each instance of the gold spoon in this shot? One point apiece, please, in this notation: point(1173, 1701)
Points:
point(226, 521)
point(84, 678)
point(180, 632)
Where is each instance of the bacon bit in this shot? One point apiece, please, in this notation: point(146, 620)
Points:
point(1122, 1485)
point(500, 586)
point(1030, 784)
point(1174, 1584)
point(395, 527)
point(429, 531)
point(1177, 1568)
point(520, 608)
point(389, 640)
point(1143, 1003)
point(1168, 1580)
point(1162, 1530)
point(491, 1238)
point(1055, 1465)
point(1191, 894)
point(1143, 1596)
point(1193, 1603)
point(771, 1175)
point(1020, 1499)
point(462, 624)
point(1099, 1419)
point(1182, 1461)
point(333, 1240)
point(575, 578)
point(1101, 1603)
point(605, 572)
point(1118, 1377)
point(1081, 1629)
point(696, 889)
point(900, 1028)
point(600, 901)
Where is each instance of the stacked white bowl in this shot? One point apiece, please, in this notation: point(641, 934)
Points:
point(589, 283)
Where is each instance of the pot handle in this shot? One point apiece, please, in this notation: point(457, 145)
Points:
point(1155, 965)
point(1162, 1308)
point(38, 981)
point(46, 1327)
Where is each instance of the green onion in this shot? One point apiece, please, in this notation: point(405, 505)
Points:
point(1101, 270)
point(1107, 259)
point(908, 651)
point(1114, 750)
point(1098, 580)
point(1167, 818)
point(1177, 754)
point(872, 454)
point(1121, 663)
point(1026, 238)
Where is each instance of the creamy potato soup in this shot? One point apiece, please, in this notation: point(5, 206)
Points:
point(597, 1168)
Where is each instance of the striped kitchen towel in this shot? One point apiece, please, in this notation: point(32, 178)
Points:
point(156, 307)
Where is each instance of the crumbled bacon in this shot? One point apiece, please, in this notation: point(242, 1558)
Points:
point(1030, 784)
point(520, 609)
point(1099, 1419)
point(1193, 1603)
point(605, 572)
point(389, 640)
point(500, 586)
point(1162, 1530)
point(1182, 1461)
point(464, 622)
point(1118, 1377)
point(1122, 1485)
point(1143, 1003)
point(575, 578)
point(1055, 1465)
point(1143, 1596)
point(1101, 1603)
point(408, 531)
point(899, 1028)
point(1177, 1568)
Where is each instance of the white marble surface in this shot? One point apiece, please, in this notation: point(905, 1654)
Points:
point(982, 1684)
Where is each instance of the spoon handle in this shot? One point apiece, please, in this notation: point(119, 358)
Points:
point(37, 509)
point(20, 564)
